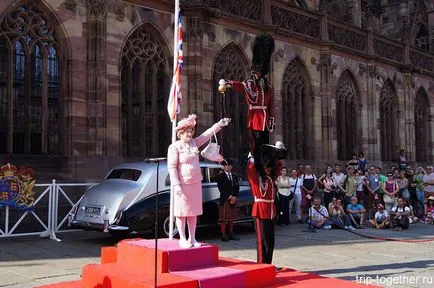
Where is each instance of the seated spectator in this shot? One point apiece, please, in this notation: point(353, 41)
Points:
point(319, 215)
point(332, 204)
point(429, 210)
point(400, 215)
point(356, 213)
point(338, 217)
point(381, 219)
point(411, 218)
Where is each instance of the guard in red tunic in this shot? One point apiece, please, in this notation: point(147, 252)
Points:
point(258, 95)
point(264, 193)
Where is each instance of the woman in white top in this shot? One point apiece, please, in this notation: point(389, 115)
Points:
point(295, 189)
point(283, 186)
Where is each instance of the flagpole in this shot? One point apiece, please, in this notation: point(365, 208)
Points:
point(175, 64)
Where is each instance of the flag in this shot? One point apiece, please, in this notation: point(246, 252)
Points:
point(174, 103)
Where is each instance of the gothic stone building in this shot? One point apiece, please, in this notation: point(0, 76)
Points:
point(84, 83)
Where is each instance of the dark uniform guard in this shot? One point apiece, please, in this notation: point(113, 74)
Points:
point(258, 95)
point(264, 208)
point(229, 187)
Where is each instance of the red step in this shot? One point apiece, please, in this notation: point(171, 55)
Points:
point(116, 275)
point(141, 253)
point(70, 284)
point(256, 275)
point(109, 255)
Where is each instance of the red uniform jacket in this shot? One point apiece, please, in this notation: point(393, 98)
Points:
point(263, 206)
point(259, 103)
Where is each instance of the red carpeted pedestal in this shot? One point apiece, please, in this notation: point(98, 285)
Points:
point(131, 265)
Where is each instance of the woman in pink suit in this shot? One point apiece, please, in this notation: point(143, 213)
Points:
point(186, 177)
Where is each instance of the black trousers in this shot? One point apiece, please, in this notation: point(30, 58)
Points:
point(403, 222)
point(283, 210)
point(264, 240)
point(257, 138)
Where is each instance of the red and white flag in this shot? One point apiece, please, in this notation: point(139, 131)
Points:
point(174, 103)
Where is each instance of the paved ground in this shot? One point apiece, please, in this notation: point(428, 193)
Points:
point(29, 262)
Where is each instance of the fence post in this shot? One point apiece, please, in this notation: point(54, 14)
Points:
point(54, 196)
point(7, 221)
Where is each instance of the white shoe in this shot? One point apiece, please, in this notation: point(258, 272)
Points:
point(346, 228)
point(194, 244)
point(184, 244)
point(352, 228)
point(327, 227)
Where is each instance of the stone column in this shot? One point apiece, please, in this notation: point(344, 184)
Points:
point(96, 80)
point(409, 141)
point(430, 13)
point(324, 67)
point(372, 116)
point(193, 71)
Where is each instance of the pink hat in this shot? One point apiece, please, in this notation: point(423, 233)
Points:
point(189, 121)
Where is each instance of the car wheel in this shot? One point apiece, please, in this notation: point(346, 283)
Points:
point(164, 228)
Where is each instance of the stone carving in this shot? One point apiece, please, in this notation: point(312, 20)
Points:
point(388, 50)
point(142, 45)
point(118, 8)
point(71, 4)
point(372, 71)
point(295, 22)
point(347, 38)
point(230, 64)
point(250, 9)
point(194, 28)
point(421, 60)
point(278, 54)
point(325, 66)
point(409, 80)
point(97, 7)
point(28, 22)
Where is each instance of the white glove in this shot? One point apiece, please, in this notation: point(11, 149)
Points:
point(177, 190)
point(222, 82)
point(224, 122)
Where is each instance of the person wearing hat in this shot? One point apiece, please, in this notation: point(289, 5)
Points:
point(429, 210)
point(264, 193)
point(229, 187)
point(186, 176)
point(258, 95)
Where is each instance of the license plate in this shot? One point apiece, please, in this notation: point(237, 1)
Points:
point(93, 210)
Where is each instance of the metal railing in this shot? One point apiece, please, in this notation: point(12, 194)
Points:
point(51, 224)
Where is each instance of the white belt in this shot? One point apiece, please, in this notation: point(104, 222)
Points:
point(264, 200)
point(251, 107)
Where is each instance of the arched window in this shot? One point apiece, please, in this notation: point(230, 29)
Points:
point(297, 105)
point(422, 126)
point(144, 86)
point(231, 63)
point(29, 48)
point(347, 116)
point(388, 122)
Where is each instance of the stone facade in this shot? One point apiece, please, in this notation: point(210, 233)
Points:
point(93, 37)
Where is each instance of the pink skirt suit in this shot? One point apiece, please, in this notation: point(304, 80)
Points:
point(184, 170)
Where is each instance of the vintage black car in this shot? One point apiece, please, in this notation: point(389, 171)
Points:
point(125, 201)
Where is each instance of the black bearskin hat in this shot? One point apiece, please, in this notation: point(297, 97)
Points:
point(271, 154)
point(262, 49)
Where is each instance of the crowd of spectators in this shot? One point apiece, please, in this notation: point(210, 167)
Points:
point(357, 195)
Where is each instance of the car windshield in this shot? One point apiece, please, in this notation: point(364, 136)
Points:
point(127, 174)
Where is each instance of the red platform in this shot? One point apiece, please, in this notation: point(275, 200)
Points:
point(131, 265)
